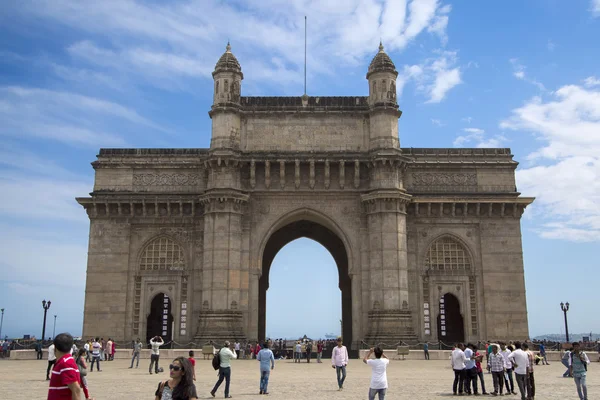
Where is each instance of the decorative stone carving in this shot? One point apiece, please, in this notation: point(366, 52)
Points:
point(327, 174)
point(166, 179)
point(342, 174)
point(356, 174)
point(267, 174)
point(252, 174)
point(282, 174)
point(444, 179)
point(312, 174)
point(297, 174)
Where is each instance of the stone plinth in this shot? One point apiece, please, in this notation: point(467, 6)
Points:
point(390, 327)
point(220, 325)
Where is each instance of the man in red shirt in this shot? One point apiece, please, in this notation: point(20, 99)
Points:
point(65, 379)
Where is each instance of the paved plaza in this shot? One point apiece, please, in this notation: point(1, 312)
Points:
point(407, 380)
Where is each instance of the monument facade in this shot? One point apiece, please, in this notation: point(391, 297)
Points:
point(427, 241)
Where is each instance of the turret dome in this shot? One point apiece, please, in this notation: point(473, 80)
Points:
point(381, 63)
point(227, 62)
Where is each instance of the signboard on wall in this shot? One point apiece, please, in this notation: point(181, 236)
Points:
point(442, 316)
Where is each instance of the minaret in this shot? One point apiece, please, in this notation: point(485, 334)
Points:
point(384, 113)
point(226, 102)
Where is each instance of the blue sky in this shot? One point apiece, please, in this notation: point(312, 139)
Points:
point(79, 75)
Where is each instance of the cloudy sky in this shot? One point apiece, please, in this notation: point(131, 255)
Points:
point(79, 75)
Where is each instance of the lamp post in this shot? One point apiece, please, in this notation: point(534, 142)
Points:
point(565, 307)
point(54, 328)
point(46, 305)
point(1, 322)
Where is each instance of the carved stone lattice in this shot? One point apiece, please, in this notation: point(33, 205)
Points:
point(166, 179)
point(446, 254)
point(428, 179)
point(162, 254)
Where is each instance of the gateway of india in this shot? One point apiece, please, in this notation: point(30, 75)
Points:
point(427, 241)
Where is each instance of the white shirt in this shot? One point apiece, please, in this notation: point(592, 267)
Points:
point(458, 359)
point(298, 348)
point(96, 346)
point(505, 353)
point(339, 356)
point(156, 346)
point(378, 373)
point(237, 346)
point(86, 347)
point(51, 356)
point(520, 358)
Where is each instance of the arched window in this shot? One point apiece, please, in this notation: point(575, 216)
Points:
point(162, 254)
point(226, 86)
point(447, 254)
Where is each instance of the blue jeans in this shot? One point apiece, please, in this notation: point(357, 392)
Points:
point(264, 380)
point(135, 355)
point(224, 373)
point(581, 387)
point(341, 371)
point(380, 392)
point(95, 359)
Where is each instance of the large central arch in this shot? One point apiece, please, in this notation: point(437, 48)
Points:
point(311, 229)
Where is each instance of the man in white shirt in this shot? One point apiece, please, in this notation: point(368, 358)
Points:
point(96, 355)
point(155, 342)
point(51, 360)
point(378, 373)
point(297, 352)
point(509, 369)
point(339, 361)
point(236, 347)
point(225, 357)
point(458, 360)
point(520, 360)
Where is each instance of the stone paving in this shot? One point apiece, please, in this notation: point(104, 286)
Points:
point(408, 380)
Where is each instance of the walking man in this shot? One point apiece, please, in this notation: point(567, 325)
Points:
point(267, 363)
point(137, 348)
point(508, 376)
point(339, 361)
point(65, 382)
point(426, 350)
point(543, 354)
point(496, 366)
point(225, 356)
point(578, 364)
point(378, 366)
point(308, 351)
point(96, 355)
point(51, 360)
point(298, 352)
point(458, 361)
point(520, 361)
point(155, 342)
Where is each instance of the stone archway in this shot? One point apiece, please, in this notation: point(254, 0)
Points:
point(328, 239)
point(451, 327)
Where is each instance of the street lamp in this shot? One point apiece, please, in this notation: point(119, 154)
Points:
point(54, 328)
point(46, 305)
point(565, 307)
point(1, 322)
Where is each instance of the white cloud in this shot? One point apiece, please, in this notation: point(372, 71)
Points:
point(595, 7)
point(591, 81)
point(185, 39)
point(565, 176)
point(519, 73)
point(436, 122)
point(435, 77)
point(476, 138)
point(468, 120)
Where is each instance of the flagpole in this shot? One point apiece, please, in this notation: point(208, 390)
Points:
point(305, 55)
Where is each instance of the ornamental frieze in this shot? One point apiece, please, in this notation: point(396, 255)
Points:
point(444, 179)
point(166, 179)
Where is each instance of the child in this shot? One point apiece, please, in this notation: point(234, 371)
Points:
point(193, 362)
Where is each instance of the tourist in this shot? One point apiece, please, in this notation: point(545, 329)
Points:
point(497, 368)
point(236, 347)
point(155, 343)
point(39, 352)
point(192, 361)
point(470, 370)
point(80, 361)
point(180, 386)
point(242, 355)
point(96, 355)
point(508, 374)
point(87, 347)
point(478, 360)
point(65, 373)
point(458, 360)
point(308, 351)
point(566, 357)
point(520, 360)
point(113, 349)
point(225, 356)
point(339, 361)
point(51, 360)
point(256, 349)
point(426, 350)
point(135, 354)
point(267, 363)
point(530, 378)
point(543, 354)
point(578, 364)
point(378, 366)
point(251, 350)
point(103, 351)
point(319, 351)
point(298, 352)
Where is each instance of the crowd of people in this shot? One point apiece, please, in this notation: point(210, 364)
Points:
point(510, 365)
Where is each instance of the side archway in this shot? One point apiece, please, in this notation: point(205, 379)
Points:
point(305, 224)
point(160, 318)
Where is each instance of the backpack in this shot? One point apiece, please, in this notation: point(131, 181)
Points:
point(216, 361)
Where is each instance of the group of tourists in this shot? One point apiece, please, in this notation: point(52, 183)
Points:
point(503, 361)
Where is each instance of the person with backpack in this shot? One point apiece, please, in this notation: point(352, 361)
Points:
point(578, 364)
point(223, 360)
point(180, 386)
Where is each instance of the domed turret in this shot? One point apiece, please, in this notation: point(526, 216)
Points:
point(382, 63)
point(228, 78)
point(382, 76)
